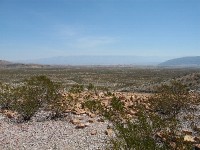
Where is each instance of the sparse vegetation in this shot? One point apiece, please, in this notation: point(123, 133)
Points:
point(76, 89)
point(94, 106)
point(152, 123)
point(158, 128)
point(6, 93)
point(170, 99)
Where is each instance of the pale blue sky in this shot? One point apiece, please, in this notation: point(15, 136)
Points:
point(32, 29)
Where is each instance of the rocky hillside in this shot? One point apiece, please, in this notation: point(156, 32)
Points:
point(191, 80)
point(182, 62)
point(7, 64)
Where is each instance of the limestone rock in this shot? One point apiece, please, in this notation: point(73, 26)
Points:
point(80, 126)
point(87, 124)
point(92, 115)
point(9, 113)
point(93, 132)
point(186, 131)
point(189, 138)
point(91, 121)
point(75, 121)
point(132, 112)
point(109, 132)
point(100, 120)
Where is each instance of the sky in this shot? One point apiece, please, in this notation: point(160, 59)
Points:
point(31, 29)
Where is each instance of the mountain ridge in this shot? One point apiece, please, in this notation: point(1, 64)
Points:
point(182, 61)
point(97, 60)
point(9, 64)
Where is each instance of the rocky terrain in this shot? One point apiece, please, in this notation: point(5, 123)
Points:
point(79, 128)
point(73, 132)
point(82, 125)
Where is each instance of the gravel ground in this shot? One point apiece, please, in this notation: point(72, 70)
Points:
point(51, 134)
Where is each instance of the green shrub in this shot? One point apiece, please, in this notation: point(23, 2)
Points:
point(59, 106)
point(135, 135)
point(116, 110)
point(42, 88)
point(90, 87)
point(36, 92)
point(170, 99)
point(142, 132)
point(76, 89)
point(93, 105)
point(6, 96)
point(24, 103)
point(117, 104)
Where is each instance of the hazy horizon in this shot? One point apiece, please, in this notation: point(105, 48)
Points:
point(162, 29)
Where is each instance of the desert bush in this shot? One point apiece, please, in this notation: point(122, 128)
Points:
point(93, 105)
point(34, 93)
point(155, 128)
point(116, 110)
point(6, 96)
point(42, 88)
point(58, 106)
point(135, 135)
point(117, 104)
point(90, 87)
point(24, 103)
point(76, 89)
point(149, 131)
point(170, 99)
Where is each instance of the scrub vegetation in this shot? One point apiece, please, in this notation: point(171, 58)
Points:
point(151, 123)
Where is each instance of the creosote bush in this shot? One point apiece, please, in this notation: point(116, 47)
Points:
point(136, 135)
point(117, 105)
point(76, 89)
point(34, 93)
point(158, 128)
point(43, 89)
point(24, 103)
point(93, 105)
point(170, 99)
point(90, 87)
point(6, 95)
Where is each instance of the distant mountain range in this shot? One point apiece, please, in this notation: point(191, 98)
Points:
point(182, 62)
point(8, 64)
point(102, 60)
point(98, 60)
point(4, 62)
